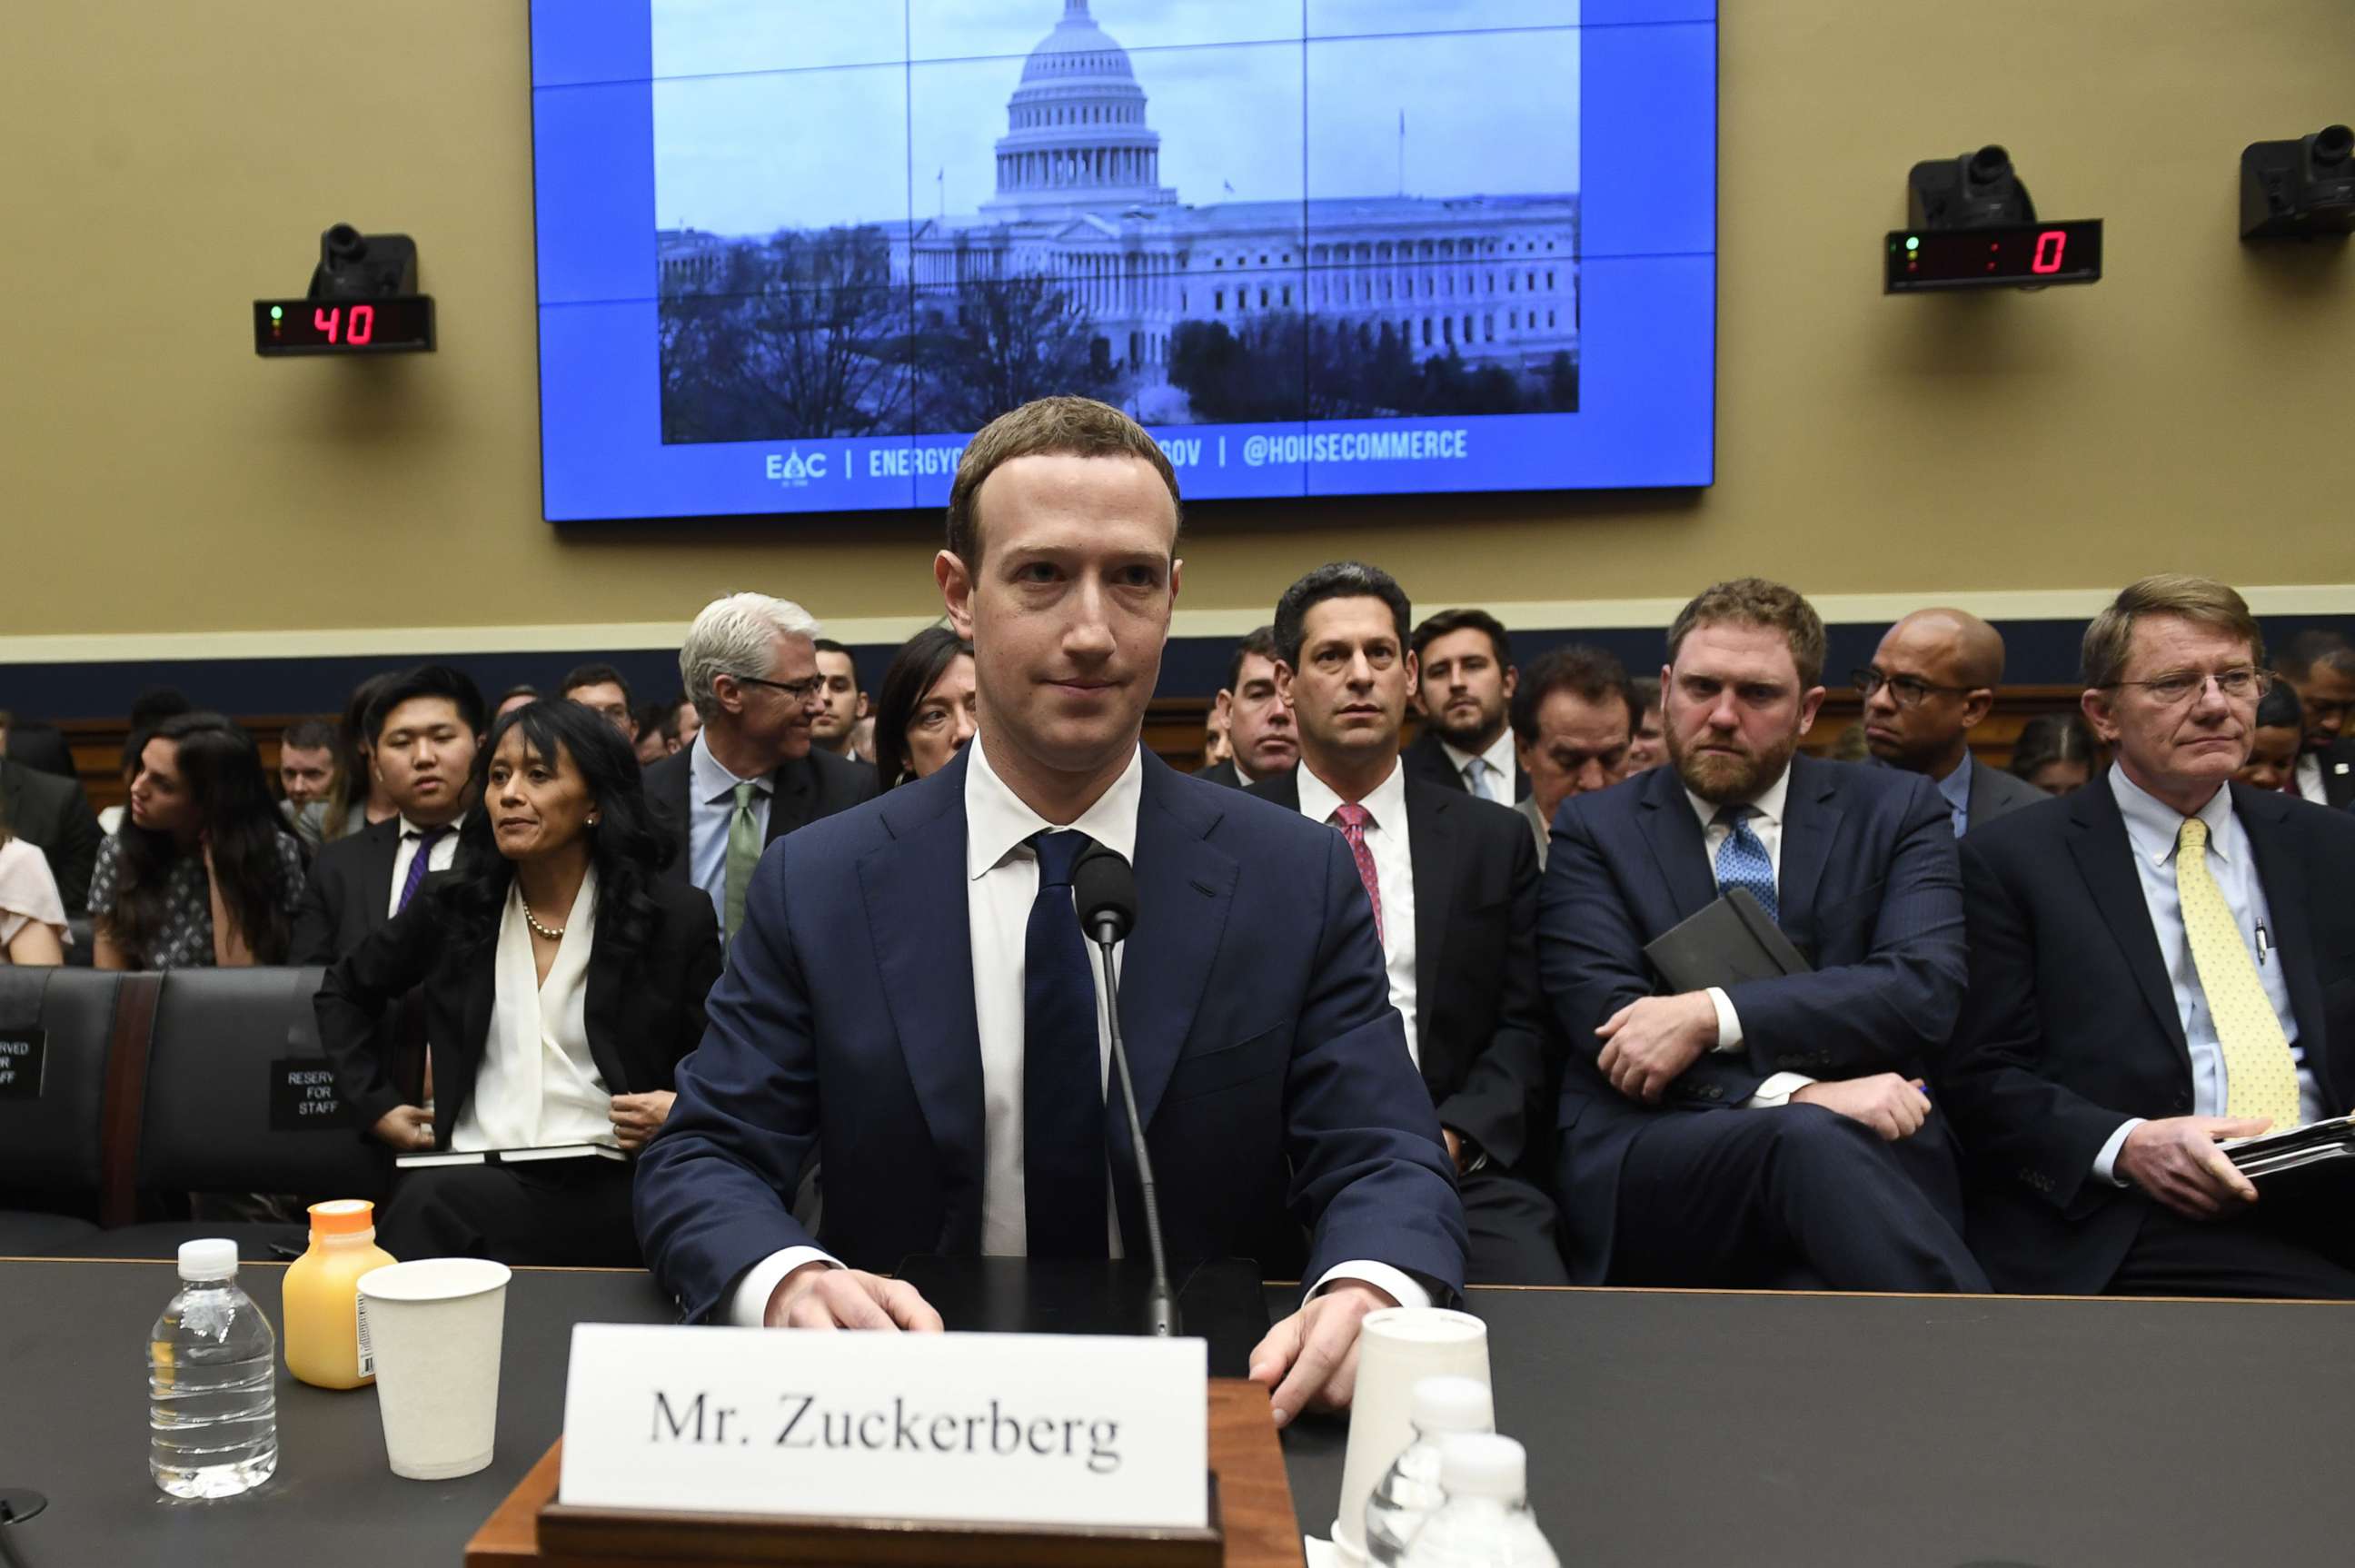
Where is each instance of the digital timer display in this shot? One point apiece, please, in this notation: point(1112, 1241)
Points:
point(401, 324)
point(2012, 256)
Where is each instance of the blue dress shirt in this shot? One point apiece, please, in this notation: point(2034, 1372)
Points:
point(711, 801)
point(1956, 788)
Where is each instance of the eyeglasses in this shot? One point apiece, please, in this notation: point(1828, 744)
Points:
point(799, 690)
point(2240, 684)
point(1908, 691)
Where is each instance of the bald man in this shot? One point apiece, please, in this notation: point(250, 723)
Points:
point(1930, 683)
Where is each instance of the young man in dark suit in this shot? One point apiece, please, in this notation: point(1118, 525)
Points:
point(1930, 684)
point(423, 730)
point(1464, 663)
point(910, 997)
point(1453, 881)
point(752, 774)
point(1772, 1131)
point(2156, 965)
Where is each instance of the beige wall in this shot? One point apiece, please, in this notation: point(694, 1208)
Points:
point(171, 162)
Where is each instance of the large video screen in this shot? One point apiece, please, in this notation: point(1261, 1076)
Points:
point(792, 253)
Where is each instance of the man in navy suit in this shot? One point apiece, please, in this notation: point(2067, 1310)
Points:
point(909, 1000)
point(2158, 963)
point(1772, 1131)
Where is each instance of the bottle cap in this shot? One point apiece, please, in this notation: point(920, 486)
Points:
point(1452, 1404)
point(212, 1258)
point(341, 1217)
point(1482, 1465)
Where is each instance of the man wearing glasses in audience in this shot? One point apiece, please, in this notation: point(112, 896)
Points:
point(2156, 967)
point(750, 663)
point(1930, 683)
point(2320, 667)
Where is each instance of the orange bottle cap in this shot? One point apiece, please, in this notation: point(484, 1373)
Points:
point(343, 1217)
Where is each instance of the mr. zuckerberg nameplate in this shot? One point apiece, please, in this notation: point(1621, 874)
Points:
point(988, 1428)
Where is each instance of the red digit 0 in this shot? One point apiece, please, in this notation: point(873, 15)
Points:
point(2057, 240)
point(362, 325)
point(325, 320)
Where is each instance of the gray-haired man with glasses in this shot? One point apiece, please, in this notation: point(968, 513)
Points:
point(749, 665)
point(1930, 683)
point(2159, 963)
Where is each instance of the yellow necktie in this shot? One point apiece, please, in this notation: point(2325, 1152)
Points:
point(2260, 1079)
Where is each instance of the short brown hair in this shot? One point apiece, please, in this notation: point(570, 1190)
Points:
point(2110, 637)
point(1057, 427)
point(1755, 601)
point(1588, 673)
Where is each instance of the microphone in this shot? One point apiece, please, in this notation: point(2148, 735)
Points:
point(1103, 891)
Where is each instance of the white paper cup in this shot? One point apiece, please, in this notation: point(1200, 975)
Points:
point(435, 1326)
point(1398, 1347)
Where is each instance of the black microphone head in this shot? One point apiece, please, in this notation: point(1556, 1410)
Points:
point(1104, 891)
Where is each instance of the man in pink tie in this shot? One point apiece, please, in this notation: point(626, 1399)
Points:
point(1454, 882)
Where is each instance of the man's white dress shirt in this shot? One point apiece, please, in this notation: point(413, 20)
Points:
point(1393, 853)
point(1767, 821)
point(444, 852)
point(1498, 773)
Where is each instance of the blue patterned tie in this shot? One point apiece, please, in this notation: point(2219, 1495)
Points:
point(418, 865)
point(1063, 1072)
point(1742, 862)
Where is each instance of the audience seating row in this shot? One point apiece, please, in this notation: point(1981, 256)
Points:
point(154, 1087)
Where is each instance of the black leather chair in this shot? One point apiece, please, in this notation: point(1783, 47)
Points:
point(52, 1143)
point(208, 1126)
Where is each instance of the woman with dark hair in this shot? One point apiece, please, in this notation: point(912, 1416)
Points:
point(356, 803)
point(563, 979)
point(2055, 752)
point(202, 870)
point(924, 711)
point(32, 917)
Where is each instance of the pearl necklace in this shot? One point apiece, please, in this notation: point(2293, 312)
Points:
point(554, 934)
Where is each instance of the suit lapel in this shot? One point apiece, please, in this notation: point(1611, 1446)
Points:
point(2281, 871)
point(1811, 819)
point(461, 1059)
point(914, 892)
point(376, 884)
point(608, 1011)
point(1675, 837)
point(1431, 827)
point(1185, 886)
point(792, 795)
point(2104, 857)
point(678, 800)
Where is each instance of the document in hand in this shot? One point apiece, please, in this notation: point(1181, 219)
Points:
point(508, 1156)
point(2272, 1152)
point(1728, 942)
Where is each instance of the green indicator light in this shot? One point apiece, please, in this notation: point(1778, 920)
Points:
point(277, 313)
point(1910, 244)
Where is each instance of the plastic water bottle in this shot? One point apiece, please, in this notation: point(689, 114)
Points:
point(1408, 1491)
point(212, 1375)
point(1485, 1521)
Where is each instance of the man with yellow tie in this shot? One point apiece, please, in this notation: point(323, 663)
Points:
point(2161, 961)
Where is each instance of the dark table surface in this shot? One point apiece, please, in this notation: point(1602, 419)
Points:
point(1665, 1428)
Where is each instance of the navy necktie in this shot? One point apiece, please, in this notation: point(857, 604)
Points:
point(1742, 862)
point(1062, 1075)
point(419, 864)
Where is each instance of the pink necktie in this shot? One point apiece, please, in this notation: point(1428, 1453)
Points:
point(1353, 820)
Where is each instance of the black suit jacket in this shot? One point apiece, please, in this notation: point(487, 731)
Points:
point(1427, 760)
point(1485, 1048)
point(643, 1011)
point(54, 815)
point(1995, 794)
point(2338, 760)
point(1869, 892)
point(800, 792)
point(347, 896)
point(1222, 772)
point(2070, 1024)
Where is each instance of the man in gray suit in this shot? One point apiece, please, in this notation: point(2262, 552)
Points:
point(1930, 683)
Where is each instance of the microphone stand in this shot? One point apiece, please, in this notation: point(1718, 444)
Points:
point(1161, 1305)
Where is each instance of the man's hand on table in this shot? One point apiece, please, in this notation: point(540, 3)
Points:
point(820, 1296)
point(1310, 1359)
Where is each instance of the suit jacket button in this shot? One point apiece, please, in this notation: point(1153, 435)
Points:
point(2183, 1101)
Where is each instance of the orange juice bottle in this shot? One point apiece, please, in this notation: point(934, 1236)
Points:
point(321, 1296)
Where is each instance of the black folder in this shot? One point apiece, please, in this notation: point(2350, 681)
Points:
point(2270, 1152)
point(1220, 1301)
point(1728, 942)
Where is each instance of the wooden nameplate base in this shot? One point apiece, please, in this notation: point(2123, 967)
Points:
point(1252, 1524)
